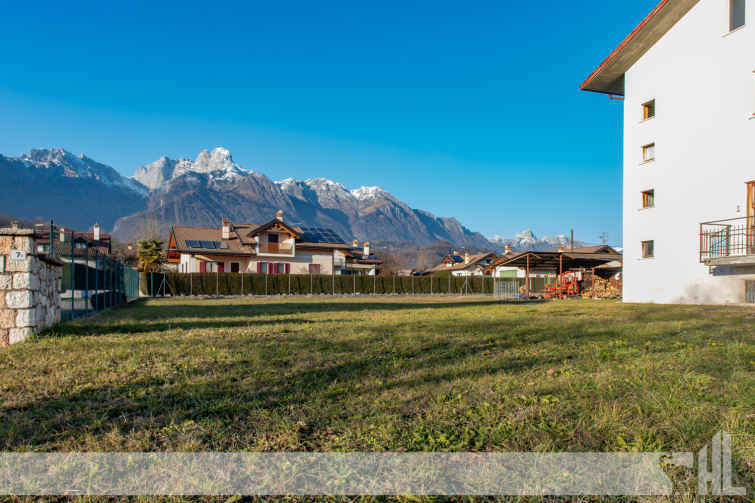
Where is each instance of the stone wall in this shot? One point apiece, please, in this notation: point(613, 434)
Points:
point(29, 289)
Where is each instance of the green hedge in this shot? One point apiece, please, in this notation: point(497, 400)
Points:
point(157, 284)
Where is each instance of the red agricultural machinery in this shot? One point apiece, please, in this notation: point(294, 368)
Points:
point(567, 285)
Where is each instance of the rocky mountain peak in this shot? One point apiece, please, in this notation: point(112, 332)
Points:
point(217, 163)
point(366, 193)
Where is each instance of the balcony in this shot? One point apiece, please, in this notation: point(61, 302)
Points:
point(728, 242)
point(275, 249)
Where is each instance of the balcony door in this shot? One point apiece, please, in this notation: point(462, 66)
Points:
point(272, 243)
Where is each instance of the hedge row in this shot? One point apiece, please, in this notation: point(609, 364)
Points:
point(157, 284)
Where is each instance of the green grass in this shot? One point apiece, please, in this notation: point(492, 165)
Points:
point(387, 374)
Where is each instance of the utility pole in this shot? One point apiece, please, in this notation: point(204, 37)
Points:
point(603, 237)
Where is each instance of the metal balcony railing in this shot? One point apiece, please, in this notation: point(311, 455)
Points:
point(734, 237)
point(275, 248)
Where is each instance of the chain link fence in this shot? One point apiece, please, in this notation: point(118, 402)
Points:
point(92, 280)
point(237, 284)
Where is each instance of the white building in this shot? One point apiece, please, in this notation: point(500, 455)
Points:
point(686, 75)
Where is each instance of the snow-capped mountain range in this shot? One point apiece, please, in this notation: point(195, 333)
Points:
point(528, 241)
point(78, 191)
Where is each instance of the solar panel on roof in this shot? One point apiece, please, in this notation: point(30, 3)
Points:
point(319, 235)
point(210, 245)
point(193, 244)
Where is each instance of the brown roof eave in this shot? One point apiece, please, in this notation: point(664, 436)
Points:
point(608, 77)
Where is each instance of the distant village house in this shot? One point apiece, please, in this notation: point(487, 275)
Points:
point(275, 247)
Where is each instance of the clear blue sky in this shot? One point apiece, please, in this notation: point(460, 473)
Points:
point(465, 109)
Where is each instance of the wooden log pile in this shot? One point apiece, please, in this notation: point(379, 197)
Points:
point(602, 289)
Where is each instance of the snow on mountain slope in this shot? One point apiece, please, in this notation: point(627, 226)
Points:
point(218, 165)
point(526, 240)
point(77, 166)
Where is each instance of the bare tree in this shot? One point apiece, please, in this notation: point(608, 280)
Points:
point(149, 228)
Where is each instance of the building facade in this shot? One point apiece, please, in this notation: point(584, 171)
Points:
point(464, 265)
point(686, 75)
point(272, 248)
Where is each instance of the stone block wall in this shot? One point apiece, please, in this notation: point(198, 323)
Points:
point(29, 289)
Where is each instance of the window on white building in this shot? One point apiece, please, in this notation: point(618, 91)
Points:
point(736, 14)
point(648, 249)
point(648, 153)
point(648, 110)
point(648, 198)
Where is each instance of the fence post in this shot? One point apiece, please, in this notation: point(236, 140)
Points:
point(431, 284)
point(86, 280)
point(289, 283)
point(112, 300)
point(191, 283)
point(374, 283)
point(333, 277)
point(52, 239)
point(96, 278)
point(242, 284)
point(217, 281)
point(73, 274)
point(355, 284)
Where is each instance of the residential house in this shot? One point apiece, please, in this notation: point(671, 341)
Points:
point(73, 245)
point(275, 247)
point(464, 265)
point(686, 76)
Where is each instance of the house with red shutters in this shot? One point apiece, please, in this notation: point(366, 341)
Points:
point(275, 247)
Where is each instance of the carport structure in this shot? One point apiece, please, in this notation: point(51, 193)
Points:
point(556, 261)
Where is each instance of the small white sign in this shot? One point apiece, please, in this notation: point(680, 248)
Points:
point(18, 254)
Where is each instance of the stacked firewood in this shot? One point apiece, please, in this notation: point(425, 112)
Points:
point(602, 289)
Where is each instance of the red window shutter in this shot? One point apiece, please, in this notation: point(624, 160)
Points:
point(259, 267)
point(203, 266)
point(288, 268)
point(271, 268)
point(221, 267)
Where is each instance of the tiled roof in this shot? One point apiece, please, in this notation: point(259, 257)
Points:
point(473, 262)
point(591, 249)
point(63, 249)
point(232, 246)
point(242, 240)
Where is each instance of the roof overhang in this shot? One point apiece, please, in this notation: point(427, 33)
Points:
point(553, 261)
point(276, 223)
point(609, 76)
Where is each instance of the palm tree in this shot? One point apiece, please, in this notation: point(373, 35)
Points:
point(150, 255)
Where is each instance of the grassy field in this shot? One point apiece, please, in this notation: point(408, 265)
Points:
point(389, 374)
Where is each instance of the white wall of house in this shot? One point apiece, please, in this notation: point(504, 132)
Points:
point(300, 263)
point(701, 78)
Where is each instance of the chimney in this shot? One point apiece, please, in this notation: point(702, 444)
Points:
point(367, 248)
point(62, 234)
point(279, 215)
point(226, 229)
point(96, 232)
point(14, 224)
point(456, 252)
point(561, 248)
point(466, 258)
point(507, 249)
point(355, 243)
